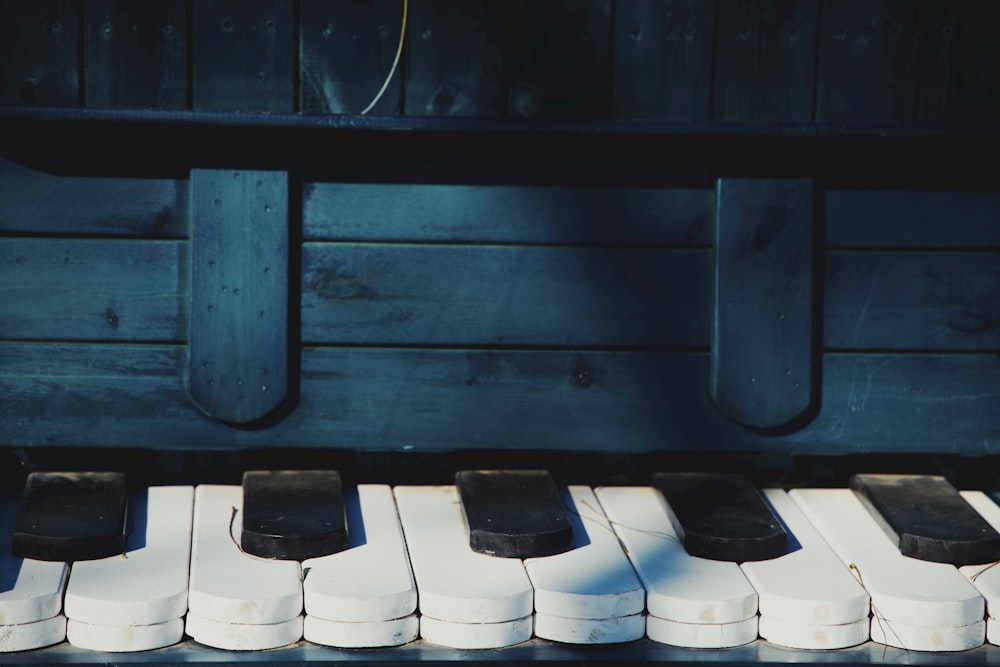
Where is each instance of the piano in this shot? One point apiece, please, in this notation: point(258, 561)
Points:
point(401, 239)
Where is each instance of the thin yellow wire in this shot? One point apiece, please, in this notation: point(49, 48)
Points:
point(395, 62)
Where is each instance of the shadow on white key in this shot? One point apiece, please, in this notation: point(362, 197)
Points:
point(30, 590)
point(475, 635)
point(590, 630)
point(593, 580)
point(905, 592)
point(456, 584)
point(679, 587)
point(371, 580)
point(809, 585)
point(149, 585)
point(361, 634)
point(243, 637)
point(701, 635)
point(986, 577)
point(227, 585)
point(813, 636)
point(124, 638)
point(28, 636)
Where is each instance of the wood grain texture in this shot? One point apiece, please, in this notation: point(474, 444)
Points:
point(135, 53)
point(765, 55)
point(424, 400)
point(35, 202)
point(238, 338)
point(456, 59)
point(346, 53)
point(244, 55)
point(663, 59)
point(39, 52)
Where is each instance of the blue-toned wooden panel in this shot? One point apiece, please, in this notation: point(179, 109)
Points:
point(504, 295)
point(39, 52)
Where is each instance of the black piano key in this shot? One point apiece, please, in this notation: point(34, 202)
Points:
point(293, 514)
point(514, 513)
point(927, 518)
point(71, 516)
point(722, 516)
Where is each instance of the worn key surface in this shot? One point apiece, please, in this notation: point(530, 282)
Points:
point(927, 518)
point(722, 516)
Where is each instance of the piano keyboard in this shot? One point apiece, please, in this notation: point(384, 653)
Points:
point(409, 574)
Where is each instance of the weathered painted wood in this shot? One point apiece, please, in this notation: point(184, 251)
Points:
point(506, 214)
point(346, 53)
point(663, 59)
point(455, 59)
point(765, 60)
point(868, 61)
point(899, 219)
point(762, 329)
point(504, 295)
point(914, 300)
point(238, 337)
point(135, 53)
point(39, 59)
point(243, 55)
point(35, 202)
point(381, 398)
point(94, 289)
point(560, 58)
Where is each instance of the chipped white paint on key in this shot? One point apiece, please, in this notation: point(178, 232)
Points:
point(922, 638)
point(594, 579)
point(150, 584)
point(701, 635)
point(813, 636)
point(679, 587)
point(475, 635)
point(124, 638)
point(228, 585)
point(904, 590)
point(239, 637)
point(808, 585)
point(27, 636)
point(985, 578)
point(589, 630)
point(30, 590)
point(457, 584)
point(364, 634)
point(371, 580)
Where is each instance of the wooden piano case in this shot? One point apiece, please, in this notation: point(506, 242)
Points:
point(601, 237)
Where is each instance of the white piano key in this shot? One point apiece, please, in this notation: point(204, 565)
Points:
point(228, 585)
point(455, 583)
point(371, 580)
point(679, 587)
point(124, 638)
point(701, 635)
point(809, 585)
point(590, 630)
point(475, 635)
point(813, 635)
point(903, 590)
point(594, 580)
point(923, 638)
point(243, 637)
point(30, 590)
point(993, 631)
point(150, 585)
point(363, 634)
point(986, 579)
point(28, 636)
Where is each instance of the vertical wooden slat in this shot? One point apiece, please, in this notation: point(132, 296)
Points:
point(762, 335)
point(560, 62)
point(663, 59)
point(868, 61)
point(456, 59)
point(238, 339)
point(39, 52)
point(244, 55)
point(765, 53)
point(347, 50)
point(135, 53)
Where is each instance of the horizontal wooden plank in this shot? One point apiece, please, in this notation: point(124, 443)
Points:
point(393, 399)
point(899, 219)
point(915, 300)
point(506, 214)
point(96, 289)
point(504, 295)
point(39, 203)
